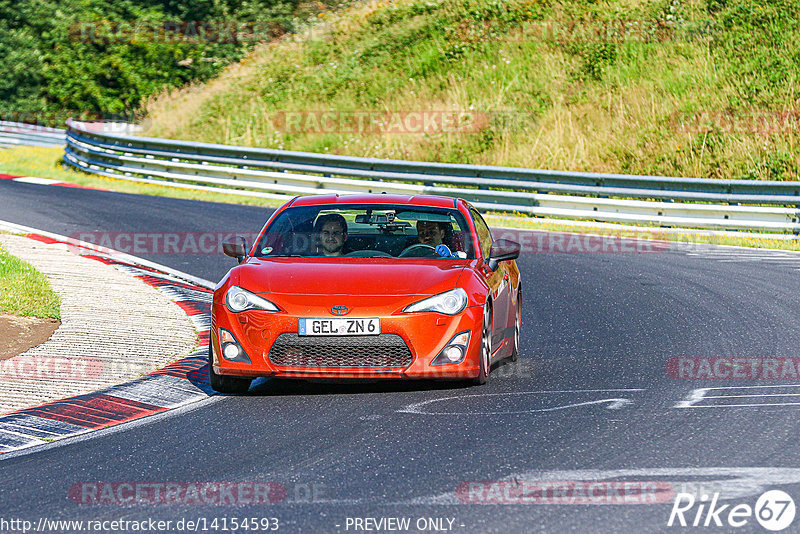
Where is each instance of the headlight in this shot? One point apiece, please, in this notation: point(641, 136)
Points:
point(450, 303)
point(238, 300)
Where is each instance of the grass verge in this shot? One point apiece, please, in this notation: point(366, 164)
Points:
point(25, 291)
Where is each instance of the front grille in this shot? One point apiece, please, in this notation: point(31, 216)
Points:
point(385, 350)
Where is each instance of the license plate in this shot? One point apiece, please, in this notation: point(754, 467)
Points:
point(366, 326)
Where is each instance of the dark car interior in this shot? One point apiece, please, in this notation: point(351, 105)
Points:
point(369, 233)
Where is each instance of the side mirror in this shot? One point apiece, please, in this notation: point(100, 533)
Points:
point(502, 250)
point(236, 250)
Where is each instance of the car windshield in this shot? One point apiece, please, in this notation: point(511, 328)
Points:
point(367, 231)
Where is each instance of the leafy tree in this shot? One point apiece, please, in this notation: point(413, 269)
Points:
point(100, 58)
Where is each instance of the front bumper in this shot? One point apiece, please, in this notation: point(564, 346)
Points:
point(424, 335)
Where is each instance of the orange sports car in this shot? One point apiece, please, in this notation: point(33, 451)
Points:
point(368, 287)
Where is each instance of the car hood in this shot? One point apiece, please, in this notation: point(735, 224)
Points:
point(324, 276)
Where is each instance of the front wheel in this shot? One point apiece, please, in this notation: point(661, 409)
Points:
point(486, 347)
point(224, 383)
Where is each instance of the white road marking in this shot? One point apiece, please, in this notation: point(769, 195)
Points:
point(700, 395)
point(35, 180)
point(614, 403)
point(754, 253)
point(747, 405)
point(730, 482)
point(786, 257)
point(763, 395)
point(776, 261)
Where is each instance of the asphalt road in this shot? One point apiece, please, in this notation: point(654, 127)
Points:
point(591, 398)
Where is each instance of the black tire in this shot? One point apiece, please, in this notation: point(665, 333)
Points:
point(486, 347)
point(517, 326)
point(225, 383)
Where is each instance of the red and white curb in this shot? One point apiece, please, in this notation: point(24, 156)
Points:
point(180, 383)
point(45, 181)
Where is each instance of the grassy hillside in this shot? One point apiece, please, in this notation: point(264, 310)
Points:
point(703, 88)
point(92, 58)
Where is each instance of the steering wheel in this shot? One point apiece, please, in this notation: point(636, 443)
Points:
point(421, 246)
point(367, 254)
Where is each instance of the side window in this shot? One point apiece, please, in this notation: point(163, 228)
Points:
point(484, 234)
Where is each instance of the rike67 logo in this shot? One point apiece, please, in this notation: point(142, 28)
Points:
point(774, 510)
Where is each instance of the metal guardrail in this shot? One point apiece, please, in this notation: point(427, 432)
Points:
point(19, 134)
point(653, 200)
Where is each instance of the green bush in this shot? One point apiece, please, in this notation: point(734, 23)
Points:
point(61, 57)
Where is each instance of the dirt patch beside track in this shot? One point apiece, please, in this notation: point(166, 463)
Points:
point(22, 333)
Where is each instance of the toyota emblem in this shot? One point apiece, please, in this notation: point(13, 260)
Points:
point(340, 310)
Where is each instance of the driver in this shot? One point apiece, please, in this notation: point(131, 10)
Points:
point(431, 233)
point(331, 232)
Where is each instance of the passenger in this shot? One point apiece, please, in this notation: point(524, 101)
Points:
point(331, 232)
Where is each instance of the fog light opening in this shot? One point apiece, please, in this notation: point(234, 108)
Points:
point(452, 354)
point(454, 351)
point(231, 350)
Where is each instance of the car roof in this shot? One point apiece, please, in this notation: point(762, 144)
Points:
point(363, 198)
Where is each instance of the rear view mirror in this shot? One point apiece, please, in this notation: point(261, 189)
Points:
point(503, 250)
point(236, 250)
point(376, 218)
point(422, 216)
